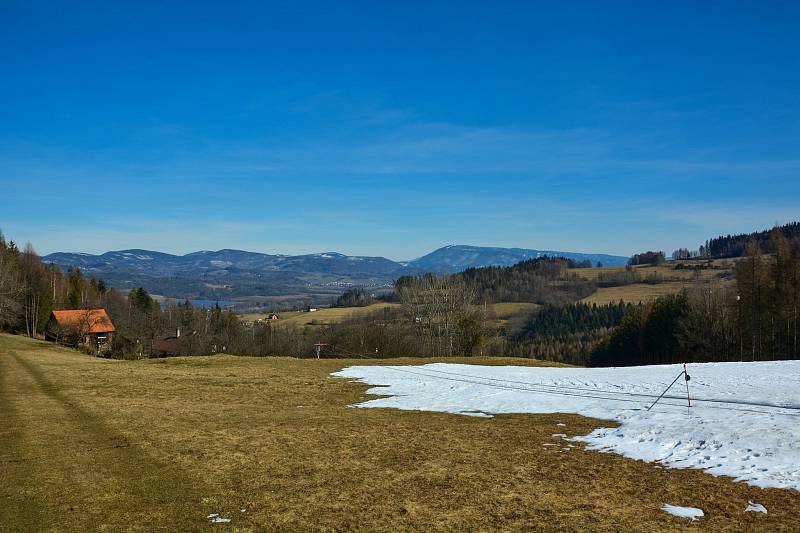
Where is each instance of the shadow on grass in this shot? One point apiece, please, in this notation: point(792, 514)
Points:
point(135, 488)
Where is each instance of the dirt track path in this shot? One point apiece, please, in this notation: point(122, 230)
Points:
point(57, 456)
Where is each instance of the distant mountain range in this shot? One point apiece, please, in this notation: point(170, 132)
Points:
point(232, 274)
point(224, 262)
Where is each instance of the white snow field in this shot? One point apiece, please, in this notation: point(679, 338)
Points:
point(744, 421)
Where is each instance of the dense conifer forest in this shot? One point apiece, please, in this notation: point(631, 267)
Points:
point(735, 245)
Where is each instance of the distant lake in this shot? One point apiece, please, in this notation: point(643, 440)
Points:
point(202, 303)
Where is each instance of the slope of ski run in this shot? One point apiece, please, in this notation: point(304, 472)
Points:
point(744, 422)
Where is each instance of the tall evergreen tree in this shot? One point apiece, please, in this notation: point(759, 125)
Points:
point(752, 280)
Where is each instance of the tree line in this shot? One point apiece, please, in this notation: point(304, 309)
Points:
point(735, 245)
point(355, 297)
point(647, 258)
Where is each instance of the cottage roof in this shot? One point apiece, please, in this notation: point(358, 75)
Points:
point(168, 344)
point(85, 320)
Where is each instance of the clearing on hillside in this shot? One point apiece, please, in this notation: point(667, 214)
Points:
point(634, 293)
point(324, 315)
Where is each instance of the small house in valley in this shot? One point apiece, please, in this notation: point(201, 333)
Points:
point(90, 327)
point(167, 345)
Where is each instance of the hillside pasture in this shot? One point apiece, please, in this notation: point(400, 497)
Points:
point(323, 315)
point(331, 315)
point(672, 280)
point(165, 445)
point(508, 314)
point(670, 271)
point(635, 293)
point(506, 310)
point(497, 314)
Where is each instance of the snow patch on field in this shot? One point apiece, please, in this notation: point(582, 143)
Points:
point(755, 508)
point(215, 518)
point(744, 421)
point(692, 513)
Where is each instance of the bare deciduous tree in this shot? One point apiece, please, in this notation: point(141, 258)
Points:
point(436, 306)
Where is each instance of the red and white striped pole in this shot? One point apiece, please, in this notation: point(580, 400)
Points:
point(686, 378)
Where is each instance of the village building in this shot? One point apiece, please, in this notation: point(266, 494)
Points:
point(91, 328)
point(168, 345)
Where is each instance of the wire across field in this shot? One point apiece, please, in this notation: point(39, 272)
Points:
point(641, 398)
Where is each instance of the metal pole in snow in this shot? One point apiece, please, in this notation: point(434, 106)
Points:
point(687, 378)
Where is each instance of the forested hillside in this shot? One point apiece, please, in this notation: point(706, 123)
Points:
point(542, 280)
point(756, 319)
point(734, 245)
point(567, 333)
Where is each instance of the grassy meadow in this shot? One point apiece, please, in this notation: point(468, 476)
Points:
point(89, 444)
point(328, 315)
point(506, 310)
point(324, 315)
point(668, 270)
point(634, 293)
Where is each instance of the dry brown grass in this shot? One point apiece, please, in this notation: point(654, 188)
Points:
point(501, 311)
point(250, 317)
point(500, 315)
point(506, 310)
point(325, 315)
point(674, 280)
point(666, 271)
point(89, 444)
point(635, 293)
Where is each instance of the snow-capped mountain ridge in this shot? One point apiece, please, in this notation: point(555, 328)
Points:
point(241, 273)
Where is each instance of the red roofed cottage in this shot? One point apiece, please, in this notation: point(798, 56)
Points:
point(91, 327)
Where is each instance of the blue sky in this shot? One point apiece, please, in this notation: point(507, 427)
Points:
point(377, 129)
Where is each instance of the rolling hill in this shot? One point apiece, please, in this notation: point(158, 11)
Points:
point(455, 258)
